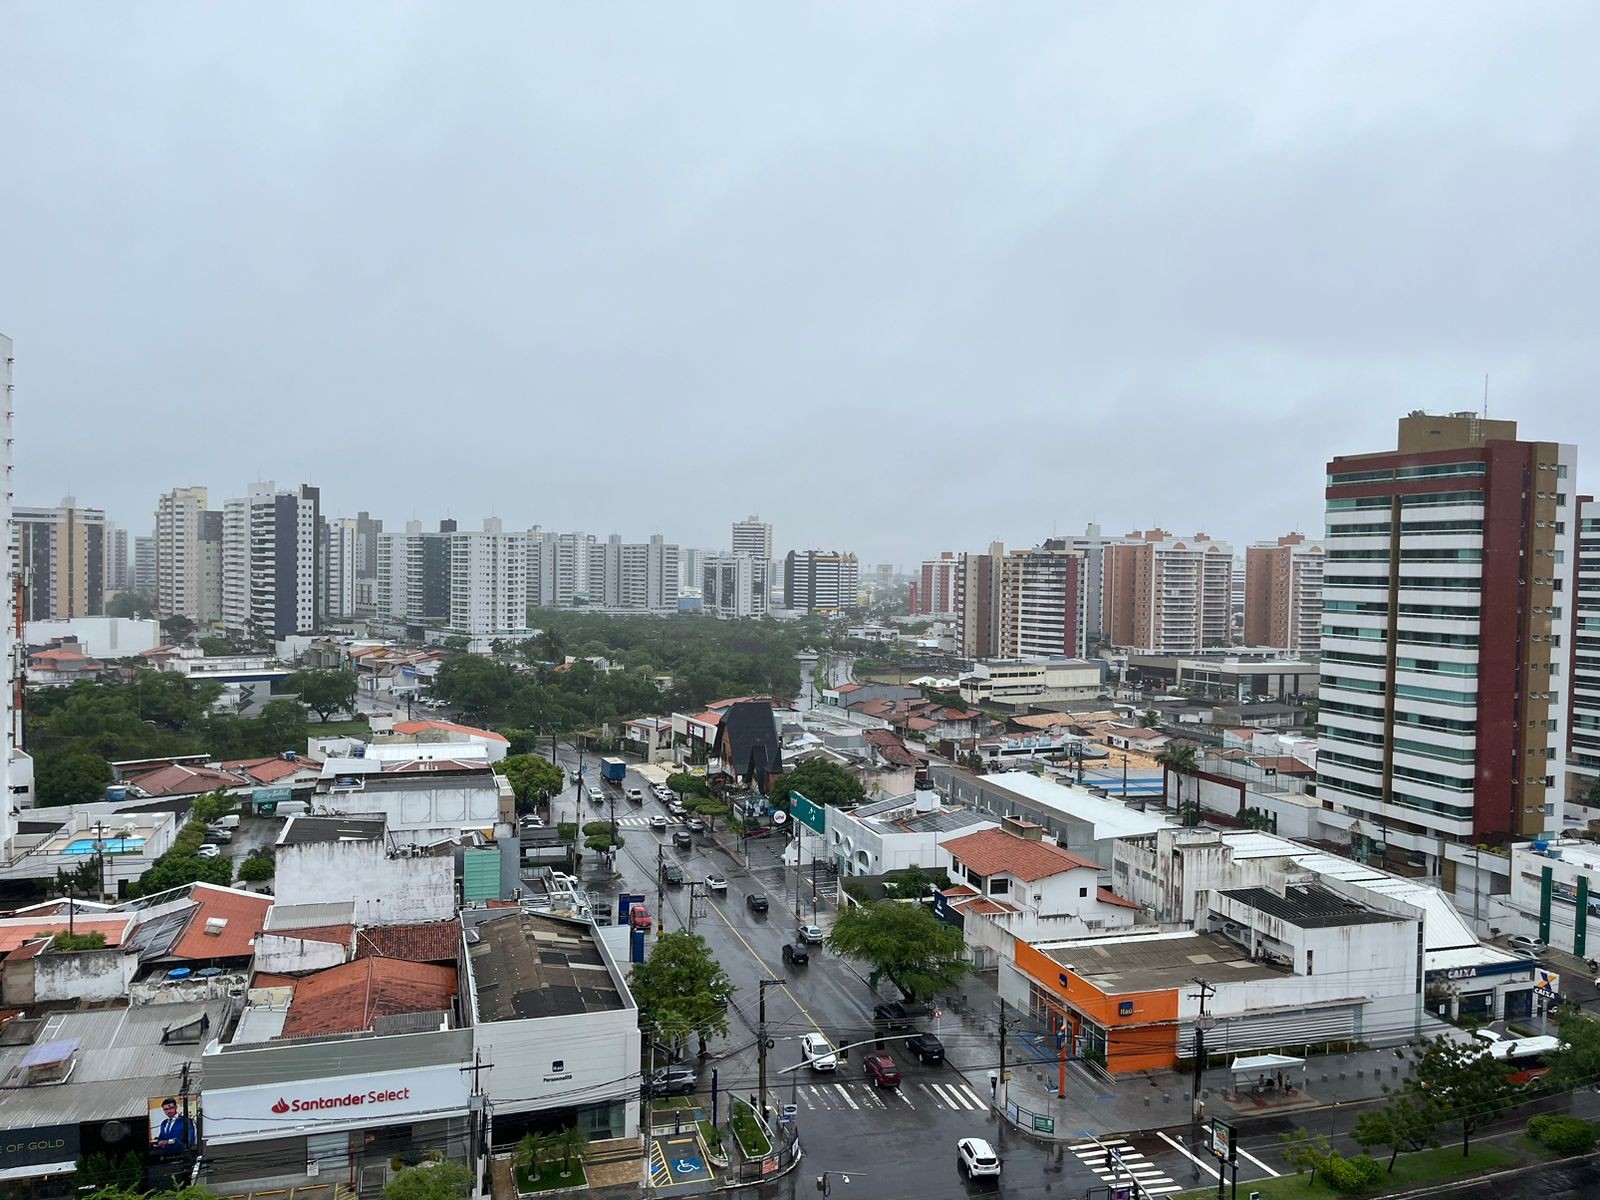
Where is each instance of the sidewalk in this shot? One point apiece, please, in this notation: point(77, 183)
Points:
point(1098, 1104)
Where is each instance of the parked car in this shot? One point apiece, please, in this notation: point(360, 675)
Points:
point(810, 933)
point(881, 1070)
point(659, 822)
point(682, 839)
point(219, 833)
point(926, 1047)
point(208, 851)
point(892, 1017)
point(756, 902)
point(819, 1053)
point(796, 954)
point(672, 873)
point(639, 917)
point(228, 821)
point(717, 882)
point(975, 1157)
point(677, 809)
point(1522, 941)
point(669, 1081)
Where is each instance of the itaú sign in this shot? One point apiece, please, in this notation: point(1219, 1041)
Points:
point(337, 1101)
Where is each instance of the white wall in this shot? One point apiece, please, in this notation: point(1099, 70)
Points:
point(85, 975)
point(100, 637)
point(283, 954)
point(385, 891)
point(599, 1053)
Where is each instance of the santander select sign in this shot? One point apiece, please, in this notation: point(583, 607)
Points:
point(329, 1103)
point(348, 1100)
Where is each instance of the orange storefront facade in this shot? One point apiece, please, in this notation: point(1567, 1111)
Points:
point(1127, 1031)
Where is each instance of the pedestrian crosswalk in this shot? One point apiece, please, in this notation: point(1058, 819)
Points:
point(1127, 1166)
point(862, 1096)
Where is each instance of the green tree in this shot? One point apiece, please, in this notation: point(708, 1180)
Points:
point(1577, 1063)
point(282, 726)
point(78, 777)
point(132, 605)
point(256, 870)
point(567, 1144)
point(821, 782)
point(430, 1181)
point(1181, 758)
point(532, 1151)
point(532, 778)
point(81, 880)
point(324, 692)
point(1305, 1152)
point(176, 628)
point(213, 646)
point(1405, 1124)
point(206, 809)
point(1469, 1086)
point(174, 870)
point(903, 943)
point(597, 836)
point(674, 989)
point(685, 784)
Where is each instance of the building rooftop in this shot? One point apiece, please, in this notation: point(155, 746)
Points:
point(414, 727)
point(424, 941)
point(352, 997)
point(1309, 906)
point(1156, 961)
point(525, 965)
point(996, 852)
point(223, 924)
point(941, 821)
point(302, 830)
point(15, 934)
point(1109, 818)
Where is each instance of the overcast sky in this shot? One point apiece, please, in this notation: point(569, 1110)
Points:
point(899, 278)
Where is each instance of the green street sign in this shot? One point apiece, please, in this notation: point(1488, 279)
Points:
point(1042, 1124)
point(807, 813)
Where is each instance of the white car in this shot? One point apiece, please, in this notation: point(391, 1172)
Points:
point(208, 851)
point(975, 1157)
point(596, 796)
point(636, 795)
point(716, 883)
point(819, 1053)
point(659, 822)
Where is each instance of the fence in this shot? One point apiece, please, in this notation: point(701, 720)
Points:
point(785, 1153)
point(1023, 1118)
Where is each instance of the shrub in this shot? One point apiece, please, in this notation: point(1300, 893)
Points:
point(1564, 1135)
point(1355, 1174)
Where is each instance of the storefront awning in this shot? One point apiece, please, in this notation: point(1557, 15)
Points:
point(1257, 1064)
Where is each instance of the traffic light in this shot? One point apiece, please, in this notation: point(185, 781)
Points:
point(1109, 1160)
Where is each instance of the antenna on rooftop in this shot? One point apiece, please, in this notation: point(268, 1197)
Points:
point(1486, 395)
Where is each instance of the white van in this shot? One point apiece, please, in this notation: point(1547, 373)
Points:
point(293, 808)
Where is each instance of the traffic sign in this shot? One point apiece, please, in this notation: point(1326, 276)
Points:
point(807, 813)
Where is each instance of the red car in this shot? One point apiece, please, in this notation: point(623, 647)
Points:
point(882, 1070)
point(639, 917)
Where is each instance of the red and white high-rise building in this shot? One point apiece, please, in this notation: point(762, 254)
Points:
point(935, 592)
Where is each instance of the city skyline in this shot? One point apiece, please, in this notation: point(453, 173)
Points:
point(1150, 279)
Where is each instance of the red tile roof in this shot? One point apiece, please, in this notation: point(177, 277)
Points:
point(181, 779)
point(707, 718)
point(1107, 896)
point(59, 655)
point(960, 889)
point(844, 689)
point(995, 852)
point(265, 770)
point(425, 941)
point(1139, 735)
point(1285, 764)
point(244, 912)
point(347, 999)
point(986, 906)
point(890, 747)
point(14, 935)
point(410, 727)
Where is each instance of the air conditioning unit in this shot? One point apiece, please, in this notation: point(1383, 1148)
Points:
point(215, 926)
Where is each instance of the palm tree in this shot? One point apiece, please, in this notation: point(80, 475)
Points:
point(532, 1150)
point(568, 1142)
point(1181, 758)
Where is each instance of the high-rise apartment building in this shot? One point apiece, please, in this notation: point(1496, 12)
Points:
point(1041, 604)
point(61, 553)
point(117, 577)
point(1091, 543)
point(734, 585)
point(634, 575)
point(364, 590)
point(978, 602)
point(143, 576)
point(558, 568)
point(413, 583)
point(8, 615)
point(935, 591)
point(488, 582)
point(753, 536)
point(1583, 743)
point(341, 552)
point(1283, 594)
point(1167, 595)
point(1448, 613)
point(272, 564)
point(821, 580)
point(209, 608)
point(180, 528)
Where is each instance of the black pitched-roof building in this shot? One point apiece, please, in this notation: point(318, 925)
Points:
point(748, 743)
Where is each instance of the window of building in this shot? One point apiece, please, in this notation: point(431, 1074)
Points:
point(1311, 956)
point(1083, 893)
point(999, 885)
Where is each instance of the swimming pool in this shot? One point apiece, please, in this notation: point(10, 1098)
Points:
point(112, 845)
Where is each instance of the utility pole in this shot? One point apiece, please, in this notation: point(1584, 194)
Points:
point(997, 1095)
point(694, 884)
point(661, 886)
point(478, 1130)
point(761, 1039)
point(1201, 1024)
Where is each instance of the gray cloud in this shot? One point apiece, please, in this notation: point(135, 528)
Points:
point(898, 277)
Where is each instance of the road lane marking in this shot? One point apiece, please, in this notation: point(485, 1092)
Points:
point(1184, 1150)
point(1246, 1154)
point(971, 1095)
point(846, 1096)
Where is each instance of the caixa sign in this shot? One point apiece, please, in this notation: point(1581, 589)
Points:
point(369, 1100)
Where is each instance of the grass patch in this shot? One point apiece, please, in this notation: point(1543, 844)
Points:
point(748, 1130)
point(668, 1103)
point(1427, 1166)
point(712, 1136)
point(549, 1177)
point(338, 728)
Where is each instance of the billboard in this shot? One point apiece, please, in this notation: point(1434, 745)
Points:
point(328, 1103)
point(1222, 1144)
point(172, 1130)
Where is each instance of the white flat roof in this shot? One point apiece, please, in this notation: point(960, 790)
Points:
point(1110, 818)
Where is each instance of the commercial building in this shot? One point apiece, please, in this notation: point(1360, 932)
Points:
point(820, 580)
point(734, 585)
point(1283, 594)
point(1041, 603)
point(978, 602)
point(1237, 676)
point(272, 563)
point(61, 555)
point(1449, 605)
point(1033, 681)
point(188, 556)
point(1167, 595)
point(936, 589)
point(893, 834)
point(98, 637)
